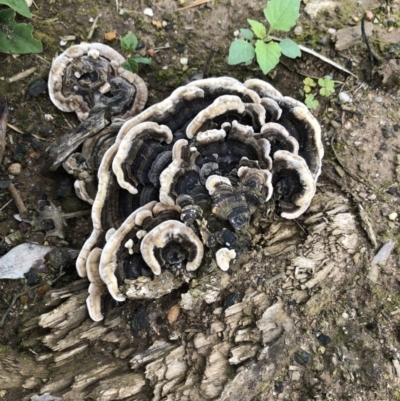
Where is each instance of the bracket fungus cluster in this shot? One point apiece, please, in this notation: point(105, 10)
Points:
point(89, 79)
point(187, 181)
point(89, 74)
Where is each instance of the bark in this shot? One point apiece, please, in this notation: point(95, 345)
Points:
point(236, 335)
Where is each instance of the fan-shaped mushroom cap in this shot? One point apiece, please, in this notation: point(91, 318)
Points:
point(214, 180)
point(298, 121)
point(294, 183)
point(223, 257)
point(93, 301)
point(222, 106)
point(109, 256)
point(166, 232)
point(256, 178)
point(139, 145)
point(82, 75)
point(279, 138)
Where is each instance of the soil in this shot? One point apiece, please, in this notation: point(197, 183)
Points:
point(362, 164)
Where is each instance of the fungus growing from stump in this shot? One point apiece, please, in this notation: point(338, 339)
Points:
point(187, 181)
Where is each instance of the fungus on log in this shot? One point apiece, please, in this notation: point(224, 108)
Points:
point(187, 181)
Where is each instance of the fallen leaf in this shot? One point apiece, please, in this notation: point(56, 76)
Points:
point(112, 35)
point(18, 261)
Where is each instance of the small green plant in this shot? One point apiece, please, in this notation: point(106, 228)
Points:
point(281, 16)
point(15, 37)
point(326, 88)
point(128, 45)
point(310, 101)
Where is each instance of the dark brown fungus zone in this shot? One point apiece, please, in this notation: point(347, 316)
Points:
point(187, 180)
point(91, 73)
point(89, 80)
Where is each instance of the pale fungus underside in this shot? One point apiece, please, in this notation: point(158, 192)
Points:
point(187, 181)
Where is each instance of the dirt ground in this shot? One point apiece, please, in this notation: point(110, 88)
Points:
point(361, 169)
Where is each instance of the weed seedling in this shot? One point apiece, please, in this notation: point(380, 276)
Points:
point(326, 88)
point(128, 45)
point(281, 16)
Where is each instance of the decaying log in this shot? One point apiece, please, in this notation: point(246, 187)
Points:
point(236, 335)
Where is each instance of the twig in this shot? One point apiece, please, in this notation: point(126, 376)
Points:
point(320, 56)
point(22, 74)
point(195, 4)
point(22, 210)
point(80, 213)
point(4, 206)
point(93, 27)
point(3, 124)
point(207, 64)
point(14, 128)
point(14, 300)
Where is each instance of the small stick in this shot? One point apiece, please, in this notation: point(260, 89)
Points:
point(3, 124)
point(14, 128)
point(4, 206)
point(22, 210)
point(93, 27)
point(195, 4)
point(80, 213)
point(22, 74)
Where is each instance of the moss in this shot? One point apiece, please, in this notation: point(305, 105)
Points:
point(48, 41)
point(170, 77)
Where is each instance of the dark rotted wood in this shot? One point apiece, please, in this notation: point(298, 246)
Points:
point(99, 118)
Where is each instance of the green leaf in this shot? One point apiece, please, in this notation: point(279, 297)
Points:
point(258, 28)
point(19, 6)
point(282, 14)
point(268, 55)
point(311, 102)
point(131, 65)
point(129, 43)
point(327, 86)
point(247, 33)
point(240, 51)
point(309, 82)
point(289, 48)
point(142, 60)
point(16, 38)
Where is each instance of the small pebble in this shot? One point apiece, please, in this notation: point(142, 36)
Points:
point(347, 125)
point(15, 169)
point(344, 97)
point(376, 21)
point(173, 314)
point(387, 131)
point(148, 12)
point(181, 48)
point(37, 87)
point(302, 357)
point(331, 31)
point(392, 216)
point(236, 33)
point(63, 42)
point(378, 99)
point(323, 41)
point(298, 30)
point(369, 15)
point(184, 60)
point(345, 315)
